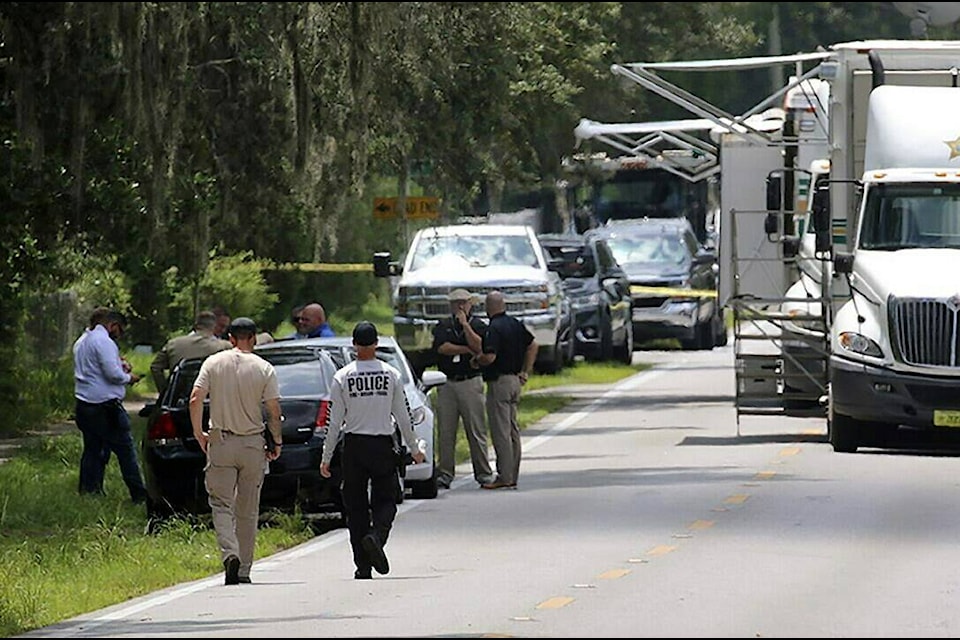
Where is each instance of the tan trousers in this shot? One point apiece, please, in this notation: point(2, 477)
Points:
point(503, 397)
point(456, 401)
point(234, 476)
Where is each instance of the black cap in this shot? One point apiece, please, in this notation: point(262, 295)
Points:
point(365, 334)
point(242, 325)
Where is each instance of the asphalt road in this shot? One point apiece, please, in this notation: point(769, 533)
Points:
point(644, 510)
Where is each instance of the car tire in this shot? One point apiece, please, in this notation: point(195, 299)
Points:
point(624, 353)
point(425, 489)
point(844, 433)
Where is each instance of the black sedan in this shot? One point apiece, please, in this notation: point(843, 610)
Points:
point(598, 294)
point(173, 461)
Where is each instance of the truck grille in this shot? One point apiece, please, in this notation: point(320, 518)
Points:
point(925, 330)
point(432, 303)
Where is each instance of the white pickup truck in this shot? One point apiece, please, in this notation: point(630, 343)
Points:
point(480, 258)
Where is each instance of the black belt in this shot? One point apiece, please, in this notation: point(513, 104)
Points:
point(462, 378)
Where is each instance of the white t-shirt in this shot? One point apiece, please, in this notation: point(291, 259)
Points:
point(363, 395)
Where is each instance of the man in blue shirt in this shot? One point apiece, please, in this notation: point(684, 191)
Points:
point(100, 380)
point(312, 323)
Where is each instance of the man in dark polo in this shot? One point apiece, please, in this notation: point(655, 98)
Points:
point(509, 352)
point(456, 340)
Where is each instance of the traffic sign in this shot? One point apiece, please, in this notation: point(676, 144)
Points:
point(418, 208)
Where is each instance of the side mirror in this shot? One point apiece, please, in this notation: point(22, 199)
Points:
point(791, 246)
point(843, 263)
point(775, 191)
point(383, 267)
point(771, 224)
point(430, 379)
point(822, 226)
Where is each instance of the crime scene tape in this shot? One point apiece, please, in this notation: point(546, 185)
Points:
point(674, 292)
point(335, 267)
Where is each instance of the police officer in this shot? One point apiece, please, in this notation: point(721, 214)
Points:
point(456, 339)
point(509, 352)
point(239, 383)
point(363, 395)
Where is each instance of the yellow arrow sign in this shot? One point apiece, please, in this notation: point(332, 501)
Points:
point(417, 208)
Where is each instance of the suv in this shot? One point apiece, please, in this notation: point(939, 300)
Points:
point(598, 292)
point(673, 280)
point(481, 258)
point(174, 463)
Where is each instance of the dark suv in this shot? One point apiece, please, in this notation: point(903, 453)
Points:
point(598, 293)
point(173, 461)
point(673, 280)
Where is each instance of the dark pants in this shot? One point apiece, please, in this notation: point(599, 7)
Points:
point(371, 484)
point(105, 428)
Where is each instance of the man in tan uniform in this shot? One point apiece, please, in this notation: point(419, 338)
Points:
point(198, 343)
point(239, 383)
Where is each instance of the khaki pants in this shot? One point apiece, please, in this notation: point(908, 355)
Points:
point(503, 397)
point(234, 476)
point(455, 401)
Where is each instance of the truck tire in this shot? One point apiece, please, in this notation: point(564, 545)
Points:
point(844, 432)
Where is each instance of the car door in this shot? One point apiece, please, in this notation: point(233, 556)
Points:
point(703, 272)
point(615, 287)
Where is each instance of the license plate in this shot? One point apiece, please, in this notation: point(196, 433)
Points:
point(943, 418)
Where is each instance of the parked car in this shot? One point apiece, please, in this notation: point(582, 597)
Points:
point(419, 480)
point(480, 258)
point(173, 461)
point(664, 261)
point(598, 292)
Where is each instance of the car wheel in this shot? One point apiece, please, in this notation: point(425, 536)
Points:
point(606, 340)
point(624, 353)
point(425, 489)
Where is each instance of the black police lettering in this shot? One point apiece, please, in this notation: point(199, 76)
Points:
point(368, 384)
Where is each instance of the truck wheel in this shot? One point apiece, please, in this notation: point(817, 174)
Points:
point(844, 433)
point(624, 353)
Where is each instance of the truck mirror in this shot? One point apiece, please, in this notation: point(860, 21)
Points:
point(821, 218)
point(843, 263)
point(775, 191)
point(382, 267)
point(791, 246)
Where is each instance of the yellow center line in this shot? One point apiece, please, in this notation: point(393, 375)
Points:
point(555, 603)
point(737, 498)
point(701, 524)
point(790, 451)
point(661, 549)
point(613, 574)
point(765, 475)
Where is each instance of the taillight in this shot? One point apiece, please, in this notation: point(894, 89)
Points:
point(164, 427)
point(323, 417)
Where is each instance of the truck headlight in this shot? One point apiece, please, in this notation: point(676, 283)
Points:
point(859, 343)
point(591, 300)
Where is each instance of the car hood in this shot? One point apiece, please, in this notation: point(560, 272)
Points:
point(458, 275)
point(887, 273)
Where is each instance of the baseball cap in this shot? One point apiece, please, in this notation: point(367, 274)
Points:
point(460, 294)
point(365, 334)
point(242, 325)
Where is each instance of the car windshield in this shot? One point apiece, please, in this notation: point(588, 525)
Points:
point(633, 249)
point(476, 251)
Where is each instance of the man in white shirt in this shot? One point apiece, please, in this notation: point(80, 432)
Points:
point(364, 394)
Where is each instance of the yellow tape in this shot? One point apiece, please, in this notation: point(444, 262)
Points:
point(325, 266)
point(673, 292)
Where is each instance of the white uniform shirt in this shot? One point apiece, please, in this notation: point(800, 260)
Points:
point(363, 395)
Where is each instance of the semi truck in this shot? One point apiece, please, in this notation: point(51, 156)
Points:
point(886, 231)
point(894, 362)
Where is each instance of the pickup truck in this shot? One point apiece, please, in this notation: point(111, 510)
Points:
point(481, 258)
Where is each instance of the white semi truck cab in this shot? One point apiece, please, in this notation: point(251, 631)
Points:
point(895, 177)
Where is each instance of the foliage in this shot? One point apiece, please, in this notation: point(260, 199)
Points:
point(235, 282)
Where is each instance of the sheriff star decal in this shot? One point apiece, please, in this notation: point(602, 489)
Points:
point(954, 147)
